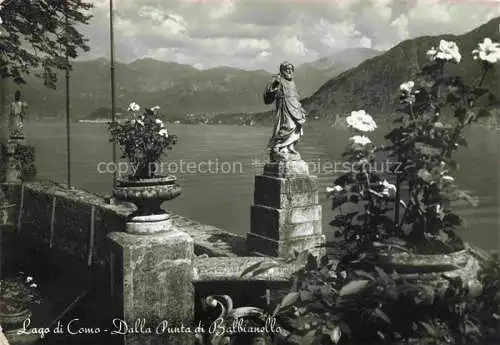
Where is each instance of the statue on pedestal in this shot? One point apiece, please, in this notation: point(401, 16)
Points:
point(17, 114)
point(290, 116)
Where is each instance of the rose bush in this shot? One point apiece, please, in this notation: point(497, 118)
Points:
point(345, 296)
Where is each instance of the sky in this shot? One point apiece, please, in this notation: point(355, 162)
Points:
point(259, 34)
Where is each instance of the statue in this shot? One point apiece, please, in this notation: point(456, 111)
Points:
point(17, 114)
point(290, 116)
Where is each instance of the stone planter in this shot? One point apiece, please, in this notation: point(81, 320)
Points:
point(13, 321)
point(16, 299)
point(148, 195)
point(433, 269)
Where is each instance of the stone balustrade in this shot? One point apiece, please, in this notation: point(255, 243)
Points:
point(151, 276)
point(81, 237)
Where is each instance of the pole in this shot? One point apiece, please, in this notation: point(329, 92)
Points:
point(498, 150)
point(113, 99)
point(68, 141)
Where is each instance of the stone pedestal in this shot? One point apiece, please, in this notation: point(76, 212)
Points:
point(18, 163)
point(13, 168)
point(152, 285)
point(286, 215)
point(155, 223)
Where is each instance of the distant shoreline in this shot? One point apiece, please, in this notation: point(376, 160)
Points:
point(247, 120)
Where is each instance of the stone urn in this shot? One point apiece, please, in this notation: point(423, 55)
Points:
point(15, 302)
point(148, 194)
point(13, 321)
point(436, 270)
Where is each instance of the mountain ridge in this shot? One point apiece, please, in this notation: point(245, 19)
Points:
point(176, 88)
point(373, 85)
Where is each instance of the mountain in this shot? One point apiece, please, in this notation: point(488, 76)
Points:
point(177, 88)
point(310, 76)
point(374, 84)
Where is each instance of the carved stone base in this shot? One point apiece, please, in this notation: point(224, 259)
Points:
point(286, 215)
point(286, 168)
point(284, 156)
point(17, 161)
point(145, 225)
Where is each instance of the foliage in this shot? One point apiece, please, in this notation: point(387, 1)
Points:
point(34, 36)
point(144, 139)
point(18, 293)
point(333, 304)
point(417, 208)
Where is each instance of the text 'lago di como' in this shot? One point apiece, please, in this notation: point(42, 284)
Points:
point(141, 326)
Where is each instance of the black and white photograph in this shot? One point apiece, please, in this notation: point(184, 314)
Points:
point(249, 172)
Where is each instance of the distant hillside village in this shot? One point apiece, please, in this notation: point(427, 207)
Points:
point(103, 115)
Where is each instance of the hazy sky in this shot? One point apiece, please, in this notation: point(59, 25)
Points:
point(255, 34)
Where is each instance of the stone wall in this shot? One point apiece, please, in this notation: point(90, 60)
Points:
point(77, 223)
point(80, 235)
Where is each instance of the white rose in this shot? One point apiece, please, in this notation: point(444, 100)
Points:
point(389, 188)
point(335, 189)
point(487, 51)
point(447, 178)
point(447, 51)
point(360, 140)
point(431, 54)
point(450, 51)
point(361, 121)
point(407, 87)
point(134, 107)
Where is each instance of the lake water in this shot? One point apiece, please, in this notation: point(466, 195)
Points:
point(223, 198)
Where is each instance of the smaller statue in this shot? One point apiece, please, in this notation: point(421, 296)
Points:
point(290, 116)
point(17, 115)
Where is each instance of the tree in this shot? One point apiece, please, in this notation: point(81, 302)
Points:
point(37, 36)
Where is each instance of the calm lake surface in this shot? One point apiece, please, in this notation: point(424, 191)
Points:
point(223, 198)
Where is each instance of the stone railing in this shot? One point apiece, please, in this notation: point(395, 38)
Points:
point(162, 276)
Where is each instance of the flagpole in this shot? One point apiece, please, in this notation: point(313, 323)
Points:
point(112, 68)
point(68, 141)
